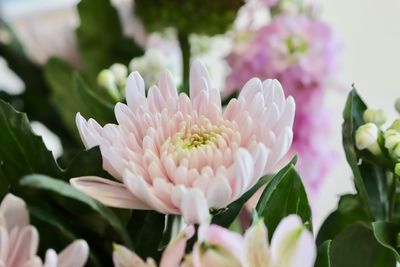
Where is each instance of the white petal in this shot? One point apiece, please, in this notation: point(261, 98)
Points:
point(250, 89)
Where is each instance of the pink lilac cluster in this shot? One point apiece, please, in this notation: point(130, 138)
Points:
point(301, 52)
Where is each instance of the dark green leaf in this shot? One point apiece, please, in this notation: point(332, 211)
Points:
point(387, 235)
point(100, 38)
point(96, 107)
point(284, 195)
point(59, 76)
point(146, 229)
point(21, 151)
point(356, 246)
point(323, 259)
point(226, 217)
point(349, 211)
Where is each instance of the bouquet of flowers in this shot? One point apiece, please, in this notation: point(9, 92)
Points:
point(158, 174)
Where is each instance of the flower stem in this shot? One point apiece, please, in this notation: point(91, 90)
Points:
point(392, 196)
point(184, 43)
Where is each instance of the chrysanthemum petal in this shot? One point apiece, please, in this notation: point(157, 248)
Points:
point(108, 192)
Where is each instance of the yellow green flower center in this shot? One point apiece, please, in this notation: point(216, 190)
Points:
point(296, 44)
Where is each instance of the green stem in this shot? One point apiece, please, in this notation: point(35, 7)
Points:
point(183, 39)
point(392, 196)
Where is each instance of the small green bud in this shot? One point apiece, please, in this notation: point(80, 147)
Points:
point(392, 138)
point(377, 116)
point(396, 125)
point(106, 79)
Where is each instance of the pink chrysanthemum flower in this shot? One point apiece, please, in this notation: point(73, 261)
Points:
point(181, 155)
point(19, 240)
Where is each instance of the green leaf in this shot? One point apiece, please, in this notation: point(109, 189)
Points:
point(349, 211)
point(369, 178)
point(68, 192)
point(356, 246)
point(386, 233)
point(226, 217)
point(146, 229)
point(95, 107)
point(323, 259)
point(59, 76)
point(21, 151)
point(284, 195)
point(100, 38)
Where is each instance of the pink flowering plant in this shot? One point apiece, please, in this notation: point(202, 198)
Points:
point(301, 51)
point(153, 174)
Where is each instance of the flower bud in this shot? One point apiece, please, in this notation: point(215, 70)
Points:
point(107, 80)
point(396, 125)
point(397, 169)
point(392, 138)
point(211, 255)
point(366, 138)
point(397, 105)
point(120, 72)
point(376, 116)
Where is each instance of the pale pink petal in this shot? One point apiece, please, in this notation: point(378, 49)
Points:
point(244, 172)
point(14, 211)
point(25, 246)
point(199, 79)
point(175, 250)
point(51, 258)
point(123, 257)
point(222, 237)
point(75, 255)
point(108, 192)
point(256, 243)
point(193, 206)
point(135, 91)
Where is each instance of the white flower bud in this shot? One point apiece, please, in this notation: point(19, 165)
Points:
point(366, 135)
point(377, 116)
point(120, 72)
point(396, 151)
point(155, 59)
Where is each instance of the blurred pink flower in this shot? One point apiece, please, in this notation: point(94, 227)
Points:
point(301, 52)
point(291, 246)
point(19, 240)
point(181, 155)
